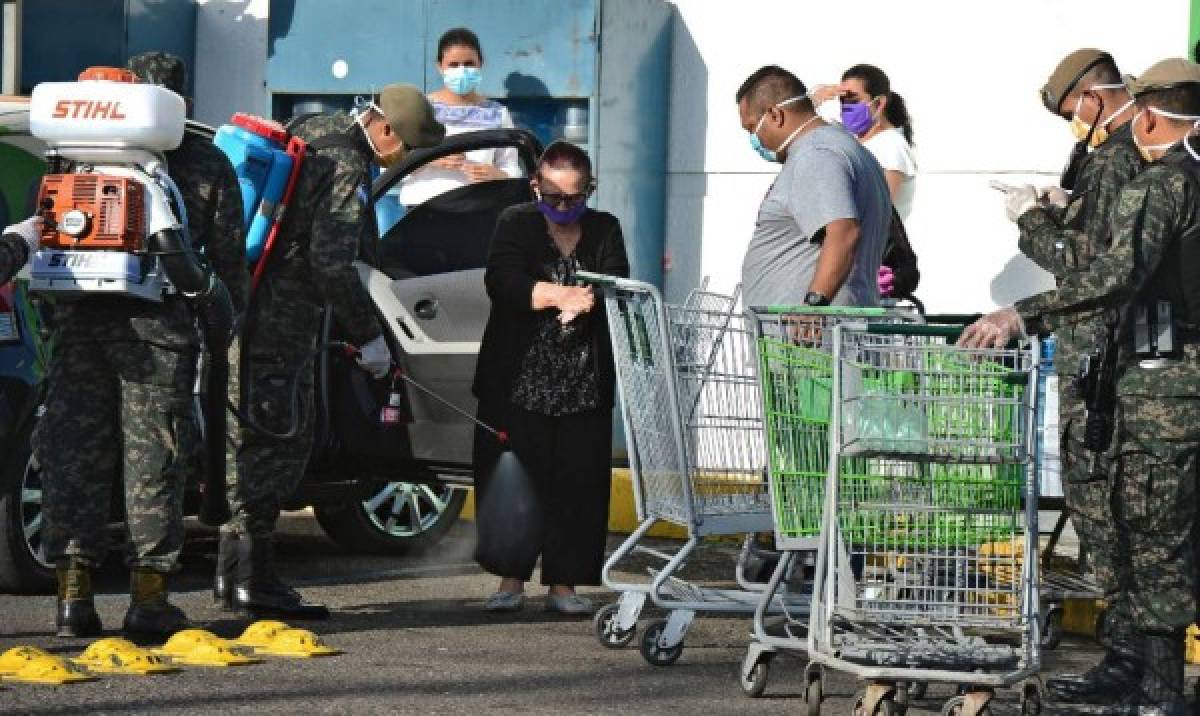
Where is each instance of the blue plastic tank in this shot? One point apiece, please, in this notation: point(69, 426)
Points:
point(256, 148)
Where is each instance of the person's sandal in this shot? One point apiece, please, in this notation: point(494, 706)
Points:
point(572, 604)
point(505, 602)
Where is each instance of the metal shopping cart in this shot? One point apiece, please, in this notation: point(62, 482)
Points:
point(693, 424)
point(796, 381)
point(927, 566)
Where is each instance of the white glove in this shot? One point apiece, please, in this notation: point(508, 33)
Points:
point(993, 330)
point(1020, 200)
point(1054, 196)
point(375, 358)
point(30, 230)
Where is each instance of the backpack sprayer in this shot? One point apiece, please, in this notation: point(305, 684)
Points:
point(115, 223)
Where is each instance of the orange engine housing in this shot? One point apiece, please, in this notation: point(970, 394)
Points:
point(92, 211)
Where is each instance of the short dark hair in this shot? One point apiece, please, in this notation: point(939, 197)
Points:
point(769, 86)
point(562, 154)
point(458, 37)
point(1184, 99)
point(1104, 72)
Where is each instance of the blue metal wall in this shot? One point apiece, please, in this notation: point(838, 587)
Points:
point(59, 38)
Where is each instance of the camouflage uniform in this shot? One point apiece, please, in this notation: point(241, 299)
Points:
point(120, 388)
point(1064, 242)
point(1149, 472)
point(326, 224)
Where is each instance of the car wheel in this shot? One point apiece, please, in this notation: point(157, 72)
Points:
point(401, 518)
point(23, 565)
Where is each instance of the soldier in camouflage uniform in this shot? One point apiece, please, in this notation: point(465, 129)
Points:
point(1062, 235)
point(1150, 467)
point(329, 221)
point(120, 394)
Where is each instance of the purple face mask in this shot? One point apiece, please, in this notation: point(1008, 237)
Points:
point(856, 117)
point(562, 216)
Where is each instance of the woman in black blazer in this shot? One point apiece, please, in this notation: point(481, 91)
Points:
point(545, 374)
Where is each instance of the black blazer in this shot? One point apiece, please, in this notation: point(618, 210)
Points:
point(521, 245)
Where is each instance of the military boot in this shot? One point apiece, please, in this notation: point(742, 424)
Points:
point(226, 577)
point(1108, 682)
point(76, 616)
point(259, 590)
point(150, 614)
point(1162, 682)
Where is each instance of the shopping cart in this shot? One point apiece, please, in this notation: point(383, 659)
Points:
point(929, 515)
point(693, 426)
point(796, 381)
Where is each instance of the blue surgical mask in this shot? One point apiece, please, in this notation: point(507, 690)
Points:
point(772, 155)
point(462, 80)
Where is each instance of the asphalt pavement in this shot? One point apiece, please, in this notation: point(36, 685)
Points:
point(416, 641)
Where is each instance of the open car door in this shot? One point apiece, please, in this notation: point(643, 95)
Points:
point(426, 280)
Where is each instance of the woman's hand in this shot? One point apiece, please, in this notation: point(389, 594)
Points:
point(453, 162)
point(569, 300)
point(479, 172)
point(574, 301)
point(824, 92)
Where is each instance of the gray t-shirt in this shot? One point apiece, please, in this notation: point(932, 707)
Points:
point(828, 175)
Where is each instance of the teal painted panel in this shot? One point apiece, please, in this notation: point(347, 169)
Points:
point(532, 48)
point(381, 42)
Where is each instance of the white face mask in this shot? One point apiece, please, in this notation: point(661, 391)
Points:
point(1148, 149)
point(383, 160)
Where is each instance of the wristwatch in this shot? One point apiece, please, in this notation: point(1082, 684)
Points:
point(816, 299)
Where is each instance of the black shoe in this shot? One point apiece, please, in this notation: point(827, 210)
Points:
point(259, 590)
point(1105, 683)
point(150, 614)
point(76, 614)
point(226, 574)
point(1162, 682)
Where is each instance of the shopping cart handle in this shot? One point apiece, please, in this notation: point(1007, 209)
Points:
point(836, 311)
point(915, 329)
point(597, 279)
point(952, 319)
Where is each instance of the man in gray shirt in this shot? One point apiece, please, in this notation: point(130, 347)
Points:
point(823, 226)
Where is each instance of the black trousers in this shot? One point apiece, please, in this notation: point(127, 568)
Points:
point(570, 460)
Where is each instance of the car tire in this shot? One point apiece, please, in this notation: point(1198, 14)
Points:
point(365, 526)
point(21, 571)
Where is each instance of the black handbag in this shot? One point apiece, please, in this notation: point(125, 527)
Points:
point(508, 520)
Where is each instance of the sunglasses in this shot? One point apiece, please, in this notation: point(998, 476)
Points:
point(567, 200)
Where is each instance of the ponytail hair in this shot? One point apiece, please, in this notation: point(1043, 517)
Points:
point(877, 84)
point(896, 112)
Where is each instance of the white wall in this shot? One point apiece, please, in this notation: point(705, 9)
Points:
point(969, 72)
point(231, 51)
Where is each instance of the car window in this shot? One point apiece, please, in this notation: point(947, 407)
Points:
point(449, 223)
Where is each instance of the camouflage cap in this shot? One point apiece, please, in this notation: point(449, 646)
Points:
point(1167, 74)
point(411, 116)
point(160, 68)
point(1067, 74)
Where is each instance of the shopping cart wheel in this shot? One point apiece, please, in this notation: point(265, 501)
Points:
point(954, 707)
point(1052, 630)
point(1031, 700)
point(607, 631)
point(887, 706)
point(754, 684)
point(652, 652)
point(814, 694)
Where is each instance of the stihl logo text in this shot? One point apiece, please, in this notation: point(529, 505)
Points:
point(87, 109)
